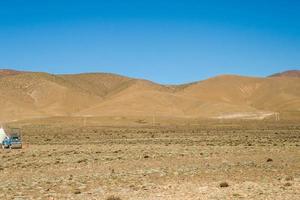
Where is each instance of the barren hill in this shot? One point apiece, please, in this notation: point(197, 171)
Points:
point(9, 72)
point(37, 95)
point(290, 73)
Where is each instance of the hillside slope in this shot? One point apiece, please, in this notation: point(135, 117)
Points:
point(36, 95)
point(290, 73)
point(40, 95)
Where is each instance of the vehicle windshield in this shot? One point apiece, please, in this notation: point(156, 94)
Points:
point(15, 138)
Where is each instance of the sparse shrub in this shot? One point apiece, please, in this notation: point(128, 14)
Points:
point(82, 161)
point(224, 184)
point(77, 191)
point(269, 160)
point(289, 178)
point(113, 198)
point(56, 162)
point(287, 184)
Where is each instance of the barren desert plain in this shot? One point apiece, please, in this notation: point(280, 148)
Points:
point(77, 158)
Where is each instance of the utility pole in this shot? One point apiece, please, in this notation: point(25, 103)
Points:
point(153, 119)
point(277, 116)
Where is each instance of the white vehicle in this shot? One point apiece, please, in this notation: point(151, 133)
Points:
point(2, 135)
point(11, 141)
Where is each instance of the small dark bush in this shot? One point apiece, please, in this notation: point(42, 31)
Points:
point(287, 184)
point(269, 160)
point(77, 191)
point(113, 198)
point(224, 184)
point(289, 178)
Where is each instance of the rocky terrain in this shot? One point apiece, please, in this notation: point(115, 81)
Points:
point(208, 160)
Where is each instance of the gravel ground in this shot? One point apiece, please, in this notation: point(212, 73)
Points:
point(144, 163)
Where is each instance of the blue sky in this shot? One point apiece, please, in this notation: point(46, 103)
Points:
point(166, 41)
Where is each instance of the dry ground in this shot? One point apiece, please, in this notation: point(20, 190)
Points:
point(257, 160)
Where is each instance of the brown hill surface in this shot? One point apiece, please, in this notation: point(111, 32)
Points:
point(269, 94)
point(41, 95)
point(100, 84)
point(290, 73)
point(9, 72)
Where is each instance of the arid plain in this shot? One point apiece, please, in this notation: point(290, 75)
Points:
point(258, 160)
point(108, 137)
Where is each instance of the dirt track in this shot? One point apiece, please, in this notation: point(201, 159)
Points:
point(154, 163)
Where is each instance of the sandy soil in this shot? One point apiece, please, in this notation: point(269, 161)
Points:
point(186, 162)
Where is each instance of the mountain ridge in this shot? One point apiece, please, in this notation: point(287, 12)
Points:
point(289, 73)
point(25, 95)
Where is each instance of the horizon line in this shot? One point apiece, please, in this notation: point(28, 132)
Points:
point(138, 78)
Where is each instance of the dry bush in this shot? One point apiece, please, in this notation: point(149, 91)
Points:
point(289, 178)
point(113, 198)
point(288, 184)
point(224, 184)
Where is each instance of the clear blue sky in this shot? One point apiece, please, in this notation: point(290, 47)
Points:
point(167, 41)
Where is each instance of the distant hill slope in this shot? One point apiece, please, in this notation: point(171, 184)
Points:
point(290, 73)
point(9, 72)
point(37, 95)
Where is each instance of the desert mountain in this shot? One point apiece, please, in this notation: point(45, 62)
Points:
point(9, 72)
point(290, 73)
point(25, 95)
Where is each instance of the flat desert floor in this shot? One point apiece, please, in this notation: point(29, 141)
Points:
point(205, 161)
